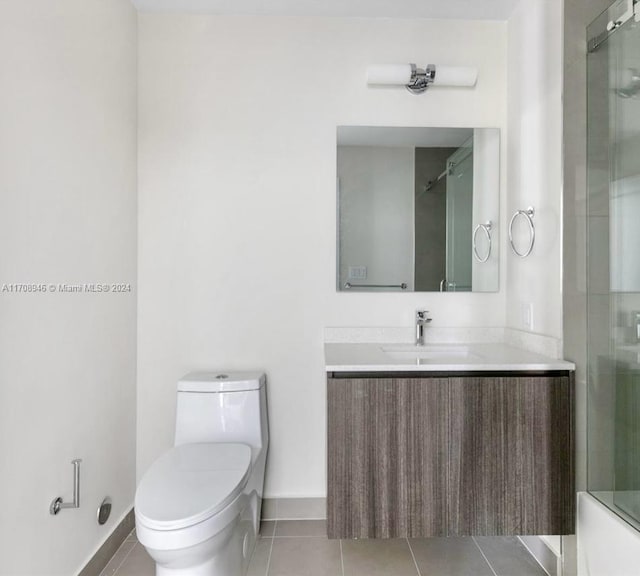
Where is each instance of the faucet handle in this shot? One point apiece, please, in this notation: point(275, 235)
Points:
point(423, 316)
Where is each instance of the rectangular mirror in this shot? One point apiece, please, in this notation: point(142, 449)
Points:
point(418, 209)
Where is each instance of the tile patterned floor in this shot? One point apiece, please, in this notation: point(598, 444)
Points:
point(301, 548)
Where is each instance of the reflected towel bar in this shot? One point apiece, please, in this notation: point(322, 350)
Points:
point(348, 286)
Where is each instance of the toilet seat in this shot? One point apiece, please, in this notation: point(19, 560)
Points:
point(191, 483)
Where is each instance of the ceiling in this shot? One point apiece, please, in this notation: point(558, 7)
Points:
point(450, 9)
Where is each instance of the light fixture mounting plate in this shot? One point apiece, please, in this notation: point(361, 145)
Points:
point(420, 79)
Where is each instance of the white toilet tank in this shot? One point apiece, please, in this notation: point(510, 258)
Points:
point(222, 407)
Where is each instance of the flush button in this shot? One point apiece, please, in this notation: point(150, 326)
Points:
point(222, 376)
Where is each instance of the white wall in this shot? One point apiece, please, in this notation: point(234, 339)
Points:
point(237, 158)
point(535, 162)
point(377, 189)
point(486, 208)
point(534, 156)
point(67, 215)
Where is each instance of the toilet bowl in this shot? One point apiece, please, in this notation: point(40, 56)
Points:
point(197, 508)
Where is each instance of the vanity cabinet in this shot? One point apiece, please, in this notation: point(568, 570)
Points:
point(421, 455)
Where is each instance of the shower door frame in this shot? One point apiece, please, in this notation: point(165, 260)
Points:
point(608, 378)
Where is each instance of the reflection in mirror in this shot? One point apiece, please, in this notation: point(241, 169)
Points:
point(418, 209)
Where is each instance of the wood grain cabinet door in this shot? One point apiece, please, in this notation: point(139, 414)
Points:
point(388, 444)
point(511, 455)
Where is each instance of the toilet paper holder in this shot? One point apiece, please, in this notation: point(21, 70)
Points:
point(58, 503)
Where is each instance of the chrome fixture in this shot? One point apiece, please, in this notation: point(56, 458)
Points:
point(349, 285)
point(448, 171)
point(528, 214)
point(420, 79)
point(58, 504)
point(422, 318)
point(104, 511)
point(417, 80)
point(486, 228)
point(622, 11)
point(447, 286)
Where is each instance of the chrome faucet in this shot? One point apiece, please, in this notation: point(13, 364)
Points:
point(422, 318)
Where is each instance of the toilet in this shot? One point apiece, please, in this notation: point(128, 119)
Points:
point(197, 508)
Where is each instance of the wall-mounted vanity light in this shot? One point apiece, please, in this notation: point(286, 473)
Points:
point(417, 80)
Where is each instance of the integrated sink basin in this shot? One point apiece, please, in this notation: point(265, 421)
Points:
point(428, 352)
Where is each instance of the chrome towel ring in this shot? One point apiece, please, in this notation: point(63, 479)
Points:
point(486, 228)
point(529, 213)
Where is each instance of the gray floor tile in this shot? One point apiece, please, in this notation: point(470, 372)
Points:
point(299, 550)
point(137, 563)
point(508, 557)
point(299, 528)
point(305, 557)
point(267, 528)
point(377, 558)
point(449, 557)
point(117, 558)
point(260, 558)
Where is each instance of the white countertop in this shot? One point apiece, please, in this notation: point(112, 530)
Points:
point(437, 358)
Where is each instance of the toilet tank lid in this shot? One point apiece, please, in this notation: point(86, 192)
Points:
point(221, 381)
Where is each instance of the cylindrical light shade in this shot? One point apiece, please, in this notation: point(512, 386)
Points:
point(450, 76)
point(389, 74)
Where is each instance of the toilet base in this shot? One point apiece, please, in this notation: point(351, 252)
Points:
point(225, 554)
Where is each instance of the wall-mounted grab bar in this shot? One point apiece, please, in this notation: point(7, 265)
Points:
point(486, 228)
point(58, 504)
point(348, 286)
point(528, 214)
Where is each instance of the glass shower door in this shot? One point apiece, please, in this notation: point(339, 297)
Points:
point(460, 218)
point(613, 247)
